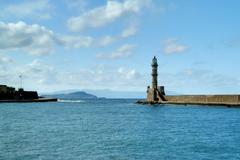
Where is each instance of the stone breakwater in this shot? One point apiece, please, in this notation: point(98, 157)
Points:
point(156, 95)
point(224, 100)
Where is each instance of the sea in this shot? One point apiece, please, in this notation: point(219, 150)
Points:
point(117, 129)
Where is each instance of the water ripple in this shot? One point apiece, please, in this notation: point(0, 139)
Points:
point(117, 130)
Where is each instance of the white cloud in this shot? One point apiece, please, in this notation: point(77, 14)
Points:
point(37, 66)
point(104, 77)
point(38, 75)
point(31, 9)
point(7, 70)
point(131, 30)
point(76, 41)
point(106, 40)
point(32, 38)
point(122, 52)
point(128, 73)
point(103, 15)
point(200, 81)
point(37, 40)
point(39, 72)
point(5, 59)
point(6, 65)
point(171, 46)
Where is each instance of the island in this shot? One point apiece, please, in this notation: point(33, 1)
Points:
point(78, 95)
point(156, 95)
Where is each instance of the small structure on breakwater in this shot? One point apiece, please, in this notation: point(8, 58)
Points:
point(156, 95)
point(10, 94)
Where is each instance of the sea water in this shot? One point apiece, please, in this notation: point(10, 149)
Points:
point(117, 130)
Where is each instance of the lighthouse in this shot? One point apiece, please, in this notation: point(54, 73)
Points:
point(155, 93)
point(154, 73)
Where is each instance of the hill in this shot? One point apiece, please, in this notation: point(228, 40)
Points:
point(73, 96)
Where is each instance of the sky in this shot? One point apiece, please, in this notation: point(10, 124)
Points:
point(109, 44)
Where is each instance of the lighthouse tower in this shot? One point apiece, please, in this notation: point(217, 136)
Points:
point(154, 73)
point(155, 93)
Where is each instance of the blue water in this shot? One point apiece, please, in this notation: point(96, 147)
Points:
point(117, 130)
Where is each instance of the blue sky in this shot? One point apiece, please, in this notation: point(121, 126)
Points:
point(109, 44)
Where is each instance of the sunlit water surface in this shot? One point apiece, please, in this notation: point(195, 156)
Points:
point(117, 130)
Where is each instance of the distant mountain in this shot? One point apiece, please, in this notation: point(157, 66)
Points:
point(73, 96)
point(103, 93)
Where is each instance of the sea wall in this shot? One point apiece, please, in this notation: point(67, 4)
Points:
point(18, 95)
point(29, 95)
point(204, 99)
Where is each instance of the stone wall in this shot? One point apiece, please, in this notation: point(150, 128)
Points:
point(150, 94)
point(29, 95)
point(205, 98)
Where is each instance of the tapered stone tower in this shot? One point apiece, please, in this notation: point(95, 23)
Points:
point(155, 93)
point(154, 73)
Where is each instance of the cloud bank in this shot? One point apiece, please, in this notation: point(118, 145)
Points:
point(38, 40)
point(106, 14)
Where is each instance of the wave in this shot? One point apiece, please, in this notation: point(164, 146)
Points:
point(70, 101)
